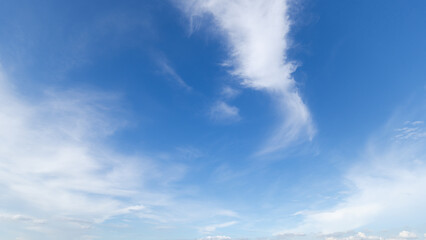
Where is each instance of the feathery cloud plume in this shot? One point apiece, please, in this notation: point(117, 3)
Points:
point(52, 158)
point(57, 169)
point(56, 166)
point(256, 33)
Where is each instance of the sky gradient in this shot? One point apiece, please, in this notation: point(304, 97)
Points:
point(213, 120)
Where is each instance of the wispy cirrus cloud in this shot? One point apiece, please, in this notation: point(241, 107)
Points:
point(57, 171)
point(170, 73)
point(53, 158)
point(56, 167)
point(385, 187)
point(256, 34)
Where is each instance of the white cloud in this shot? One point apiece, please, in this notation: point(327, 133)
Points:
point(407, 234)
point(256, 33)
point(386, 188)
point(350, 236)
point(223, 112)
point(215, 238)
point(47, 161)
point(52, 159)
point(56, 166)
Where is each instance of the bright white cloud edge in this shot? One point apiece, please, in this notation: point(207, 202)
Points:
point(256, 33)
point(385, 186)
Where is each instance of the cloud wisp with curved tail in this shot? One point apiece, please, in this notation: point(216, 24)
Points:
point(256, 33)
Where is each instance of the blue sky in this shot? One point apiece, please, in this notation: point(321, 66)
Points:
point(213, 119)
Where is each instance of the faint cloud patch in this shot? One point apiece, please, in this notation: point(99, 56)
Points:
point(21, 218)
point(412, 130)
point(221, 111)
point(229, 92)
point(212, 228)
point(227, 213)
point(225, 113)
point(189, 152)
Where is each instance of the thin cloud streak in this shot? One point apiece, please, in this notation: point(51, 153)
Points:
point(21, 218)
point(169, 72)
point(256, 33)
point(212, 228)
